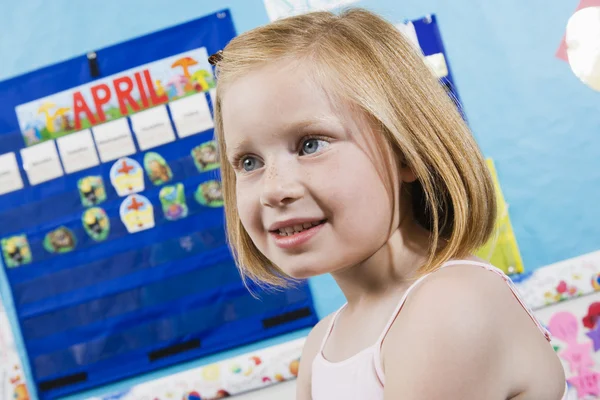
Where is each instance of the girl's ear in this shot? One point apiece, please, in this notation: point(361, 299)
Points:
point(406, 173)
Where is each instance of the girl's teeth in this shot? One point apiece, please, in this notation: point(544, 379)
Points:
point(290, 230)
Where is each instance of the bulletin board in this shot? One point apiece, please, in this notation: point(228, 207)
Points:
point(111, 222)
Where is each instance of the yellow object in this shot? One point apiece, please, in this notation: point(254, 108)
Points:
point(160, 90)
point(501, 250)
point(200, 76)
point(140, 220)
point(45, 108)
point(211, 373)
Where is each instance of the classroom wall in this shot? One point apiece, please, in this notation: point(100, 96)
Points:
point(526, 109)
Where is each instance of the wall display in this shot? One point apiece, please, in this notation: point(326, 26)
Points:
point(277, 9)
point(575, 328)
point(561, 281)
point(561, 52)
point(502, 249)
point(13, 384)
point(227, 378)
point(583, 45)
point(111, 215)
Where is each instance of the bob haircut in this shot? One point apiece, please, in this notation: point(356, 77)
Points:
point(453, 196)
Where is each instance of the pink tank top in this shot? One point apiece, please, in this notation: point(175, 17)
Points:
point(361, 376)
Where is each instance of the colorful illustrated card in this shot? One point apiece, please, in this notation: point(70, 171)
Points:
point(96, 223)
point(137, 213)
point(206, 156)
point(172, 199)
point(60, 240)
point(210, 194)
point(16, 251)
point(157, 169)
point(91, 190)
point(127, 177)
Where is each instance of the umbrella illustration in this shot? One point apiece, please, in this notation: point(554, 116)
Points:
point(185, 63)
point(204, 79)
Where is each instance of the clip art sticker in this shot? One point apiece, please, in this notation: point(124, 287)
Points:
point(157, 169)
point(210, 194)
point(127, 176)
point(16, 251)
point(206, 156)
point(91, 190)
point(60, 240)
point(172, 200)
point(96, 223)
point(137, 213)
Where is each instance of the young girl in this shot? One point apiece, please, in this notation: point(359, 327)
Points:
point(341, 153)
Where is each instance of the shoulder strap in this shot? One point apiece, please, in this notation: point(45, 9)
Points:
point(398, 308)
point(330, 328)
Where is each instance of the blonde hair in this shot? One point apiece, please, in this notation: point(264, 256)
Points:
point(453, 196)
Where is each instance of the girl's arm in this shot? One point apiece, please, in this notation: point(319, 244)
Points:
point(309, 351)
point(463, 335)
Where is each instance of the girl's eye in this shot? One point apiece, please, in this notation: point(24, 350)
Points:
point(250, 163)
point(311, 146)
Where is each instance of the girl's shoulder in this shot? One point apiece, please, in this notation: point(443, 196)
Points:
point(464, 320)
point(462, 295)
point(481, 298)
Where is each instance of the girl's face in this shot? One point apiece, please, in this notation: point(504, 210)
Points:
point(307, 184)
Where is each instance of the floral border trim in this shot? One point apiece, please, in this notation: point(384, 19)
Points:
point(13, 384)
point(251, 371)
point(561, 281)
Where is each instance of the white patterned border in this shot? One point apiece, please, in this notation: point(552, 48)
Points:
point(561, 281)
point(12, 378)
point(230, 377)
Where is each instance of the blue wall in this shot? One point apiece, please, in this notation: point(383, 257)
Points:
point(527, 110)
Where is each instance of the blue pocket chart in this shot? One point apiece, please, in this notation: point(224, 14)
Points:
point(111, 215)
point(430, 42)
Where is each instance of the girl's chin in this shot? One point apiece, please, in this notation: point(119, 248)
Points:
point(305, 272)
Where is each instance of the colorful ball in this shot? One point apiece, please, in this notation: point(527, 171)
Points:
point(596, 282)
point(192, 396)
